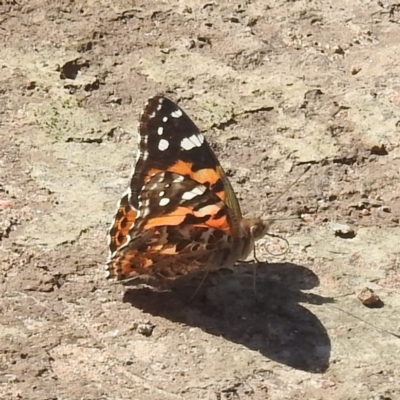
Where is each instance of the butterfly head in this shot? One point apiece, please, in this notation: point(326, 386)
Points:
point(253, 229)
point(258, 228)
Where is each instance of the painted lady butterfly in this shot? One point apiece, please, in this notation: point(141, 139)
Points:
point(179, 214)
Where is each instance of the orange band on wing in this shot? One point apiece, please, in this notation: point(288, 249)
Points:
point(221, 224)
point(174, 218)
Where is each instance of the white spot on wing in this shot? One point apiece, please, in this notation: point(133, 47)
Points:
point(145, 211)
point(161, 194)
point(152, 115)
point(160, 130)
point(177, 113)
point(191, 194)
point(164, 201)
point(159, 107)
point(165, 119)
point(163, 145)
point(161, 176)
point(196, 140)
point(186, 144)
point(199, 190)
point(179, 178)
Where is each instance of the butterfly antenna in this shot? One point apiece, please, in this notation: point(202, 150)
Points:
point(378, 328)
point(292, 184)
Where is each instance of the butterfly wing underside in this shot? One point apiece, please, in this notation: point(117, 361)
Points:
point(180, 213)
point(179, 224)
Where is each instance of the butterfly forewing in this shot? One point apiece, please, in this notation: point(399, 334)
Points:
point(170, 141)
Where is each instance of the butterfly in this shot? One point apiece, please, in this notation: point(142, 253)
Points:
point(180, 214)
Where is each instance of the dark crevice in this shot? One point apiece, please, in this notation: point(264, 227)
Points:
point(379, 150)
point(71, 69)
point(84, 140)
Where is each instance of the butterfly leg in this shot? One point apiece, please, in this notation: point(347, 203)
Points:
point(199, 286)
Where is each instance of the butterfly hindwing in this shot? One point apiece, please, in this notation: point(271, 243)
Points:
point(179, 223)
point(167, 252)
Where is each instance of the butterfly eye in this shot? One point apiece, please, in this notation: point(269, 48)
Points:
point(258, 229)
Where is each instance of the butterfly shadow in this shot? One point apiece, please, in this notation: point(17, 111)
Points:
point(273, 322)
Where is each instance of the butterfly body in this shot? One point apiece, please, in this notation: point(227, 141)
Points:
point(180, 214)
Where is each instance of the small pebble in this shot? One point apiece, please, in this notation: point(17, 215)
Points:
point(368, 298)
point(145, 328)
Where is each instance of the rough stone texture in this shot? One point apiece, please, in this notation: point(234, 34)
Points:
point(276, 86)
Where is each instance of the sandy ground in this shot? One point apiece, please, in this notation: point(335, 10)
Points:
point(276, 86)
